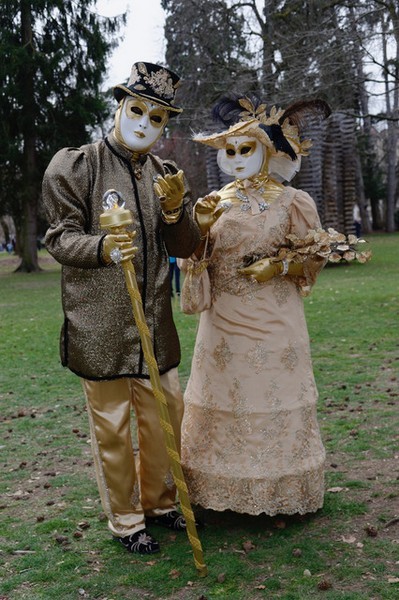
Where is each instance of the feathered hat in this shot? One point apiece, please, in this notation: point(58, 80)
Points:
point(278, 130)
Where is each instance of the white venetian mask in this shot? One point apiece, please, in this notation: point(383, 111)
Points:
point(242, 157)
point(139, 124)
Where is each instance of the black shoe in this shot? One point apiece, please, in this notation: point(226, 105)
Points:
point(140, 542)
point(172, 520)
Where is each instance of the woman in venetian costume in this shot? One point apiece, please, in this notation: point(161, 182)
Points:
point(251, 440)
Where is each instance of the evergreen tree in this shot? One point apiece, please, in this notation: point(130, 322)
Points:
point(53, 63)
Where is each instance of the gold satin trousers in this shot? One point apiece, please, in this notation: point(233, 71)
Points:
point(132, 484)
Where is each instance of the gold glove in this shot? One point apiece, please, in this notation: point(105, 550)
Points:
point(118, 247)
point(264, 270)
point(170, 191)
point(207, 212)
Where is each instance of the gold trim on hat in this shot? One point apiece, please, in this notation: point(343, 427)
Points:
point(157, 101)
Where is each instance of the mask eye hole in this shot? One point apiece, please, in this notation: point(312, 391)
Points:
point(157, 119)
point(230, 152)
point(246, 150)
point(136, 110)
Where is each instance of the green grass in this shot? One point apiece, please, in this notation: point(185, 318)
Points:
point(54, 541)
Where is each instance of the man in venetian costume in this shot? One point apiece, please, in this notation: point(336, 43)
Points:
point(100, 341)
point(251, 441)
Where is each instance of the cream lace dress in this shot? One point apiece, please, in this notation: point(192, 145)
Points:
point(251, 441)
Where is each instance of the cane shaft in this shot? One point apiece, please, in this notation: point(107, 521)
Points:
point(174, 456)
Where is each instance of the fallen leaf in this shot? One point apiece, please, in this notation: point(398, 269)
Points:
point(221, 578)
point(348, 540)
point(371, 531)
point(174, 574)
point(61, 539)
point(248, 546)
point(393, 579)
point(324, 584)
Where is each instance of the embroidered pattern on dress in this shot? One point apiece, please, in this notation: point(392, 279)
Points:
point(222, 354)
point(257, 357)
point(271, 396)
point(289, 357)
point(281, 290)
point(241, 428)
point(201, 418)
point(199, 353)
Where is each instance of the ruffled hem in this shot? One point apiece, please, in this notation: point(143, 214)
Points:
point(288, 495)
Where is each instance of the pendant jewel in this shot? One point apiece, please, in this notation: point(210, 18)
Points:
point(263, 206)
point(227, 204)
point(241, 196)
point(137, 170)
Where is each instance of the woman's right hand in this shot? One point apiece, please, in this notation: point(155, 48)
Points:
point(207, 212)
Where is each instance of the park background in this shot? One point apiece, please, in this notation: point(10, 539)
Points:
point(56, 92)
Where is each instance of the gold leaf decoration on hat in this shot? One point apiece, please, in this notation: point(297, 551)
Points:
point(134, 74)
point(161, 83)
point(250, 112)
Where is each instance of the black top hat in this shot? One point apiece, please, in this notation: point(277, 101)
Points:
point(151, 82)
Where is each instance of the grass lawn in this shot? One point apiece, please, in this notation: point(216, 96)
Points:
point(54, 542)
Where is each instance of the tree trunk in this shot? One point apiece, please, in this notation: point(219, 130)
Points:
point(6, 229)
point(393, 112)
point(27, 238)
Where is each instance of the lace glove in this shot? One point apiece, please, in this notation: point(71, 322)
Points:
point(207, 212)
point(170, 191)
point(118, 247)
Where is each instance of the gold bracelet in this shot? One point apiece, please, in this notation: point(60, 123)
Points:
point(171, 216)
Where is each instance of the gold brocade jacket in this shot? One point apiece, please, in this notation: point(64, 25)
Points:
point(99, 338)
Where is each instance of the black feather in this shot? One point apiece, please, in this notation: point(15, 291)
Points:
point(280, 143)
point(228, 109)
point(301, 112)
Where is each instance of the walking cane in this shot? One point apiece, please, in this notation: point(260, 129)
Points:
point(115, 218)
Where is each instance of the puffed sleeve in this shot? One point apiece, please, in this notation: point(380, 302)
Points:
point(304, 216)
point(66, 200)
